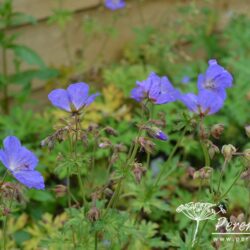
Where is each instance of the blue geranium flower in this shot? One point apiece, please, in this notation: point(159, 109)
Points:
point(21, 163)
point(216, 79)
point(157, 89)
point(73, 99)
point(115, 4)
point(205, 103)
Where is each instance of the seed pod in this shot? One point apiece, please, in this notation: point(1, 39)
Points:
point(138, 171)
point(94, 214)
point(111, 131)
point(213, 149)
point(228, 151)
point(217, 130)
point(203, 173)
point(247, 154)
point(60, 190)
point(247, 129)
point(146, 144)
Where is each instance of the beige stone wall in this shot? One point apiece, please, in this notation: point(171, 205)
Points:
point(50, 42)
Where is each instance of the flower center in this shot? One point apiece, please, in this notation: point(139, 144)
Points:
point(209, 84)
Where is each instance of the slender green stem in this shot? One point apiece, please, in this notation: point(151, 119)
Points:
point(5, 225)
point(221, 175)
point(77, 166)
point(96, 241)
point(164, 168)
point(116, 194)
point(205, 153)
point(231, 186)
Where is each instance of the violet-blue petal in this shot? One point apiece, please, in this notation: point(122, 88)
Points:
point(162, 136)
point(60, 99)
point(26, 160)
point(78, 93)
point(11, 145)
point(185, 79)
point(4, 158)
point(91, 98)
point(115, 4)
point(31, 179)
point(210, 102)
point(191, 101)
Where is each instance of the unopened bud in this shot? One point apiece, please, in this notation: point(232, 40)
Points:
point(111, 131)
point(247, 154)
point(5, 211)
point(203, 173)
point(191, 171)
point(217, 130)
point(92, 127)
point(213, 149)
point(60, 190)
point(228, 151)
point(246, 175)
point(156, 133)
point(146, 144)
point(94, 214)
point(108, 192)
point(247, 129)
point(139, 171)
point(105, 143)
point(121, 148)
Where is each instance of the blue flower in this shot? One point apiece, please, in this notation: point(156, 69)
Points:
point(205, 103)
point(216, 79)
point(157, 89)
point(73, 99)
point(115, 4)
point(21, 163)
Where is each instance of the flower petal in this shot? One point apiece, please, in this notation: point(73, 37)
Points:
point(190, 100)
point(26, 160)
point(91, 99)
point(210, 102)
point(31, 179)
point(60, 99)
point(78, 93)
point(4, 159)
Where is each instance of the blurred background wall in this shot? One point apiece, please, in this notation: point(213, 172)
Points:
point(59, 46)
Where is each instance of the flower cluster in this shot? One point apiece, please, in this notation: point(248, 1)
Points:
point(211, 90)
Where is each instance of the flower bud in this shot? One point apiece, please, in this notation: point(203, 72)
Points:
point(60, 190)
point(247, 129)
point(146, 144)
point(217, 130)
point(203, 173)
point(156, 133)
point(111, 131)
point(108, 192)
point(138, 171)
point(247, 154)
point(228, 151)
point(246, 175)
point(105, 143)
point(121, 148)
point(94, 214)
point(213, 149)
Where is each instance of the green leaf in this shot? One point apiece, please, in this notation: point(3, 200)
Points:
point(28, 55)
